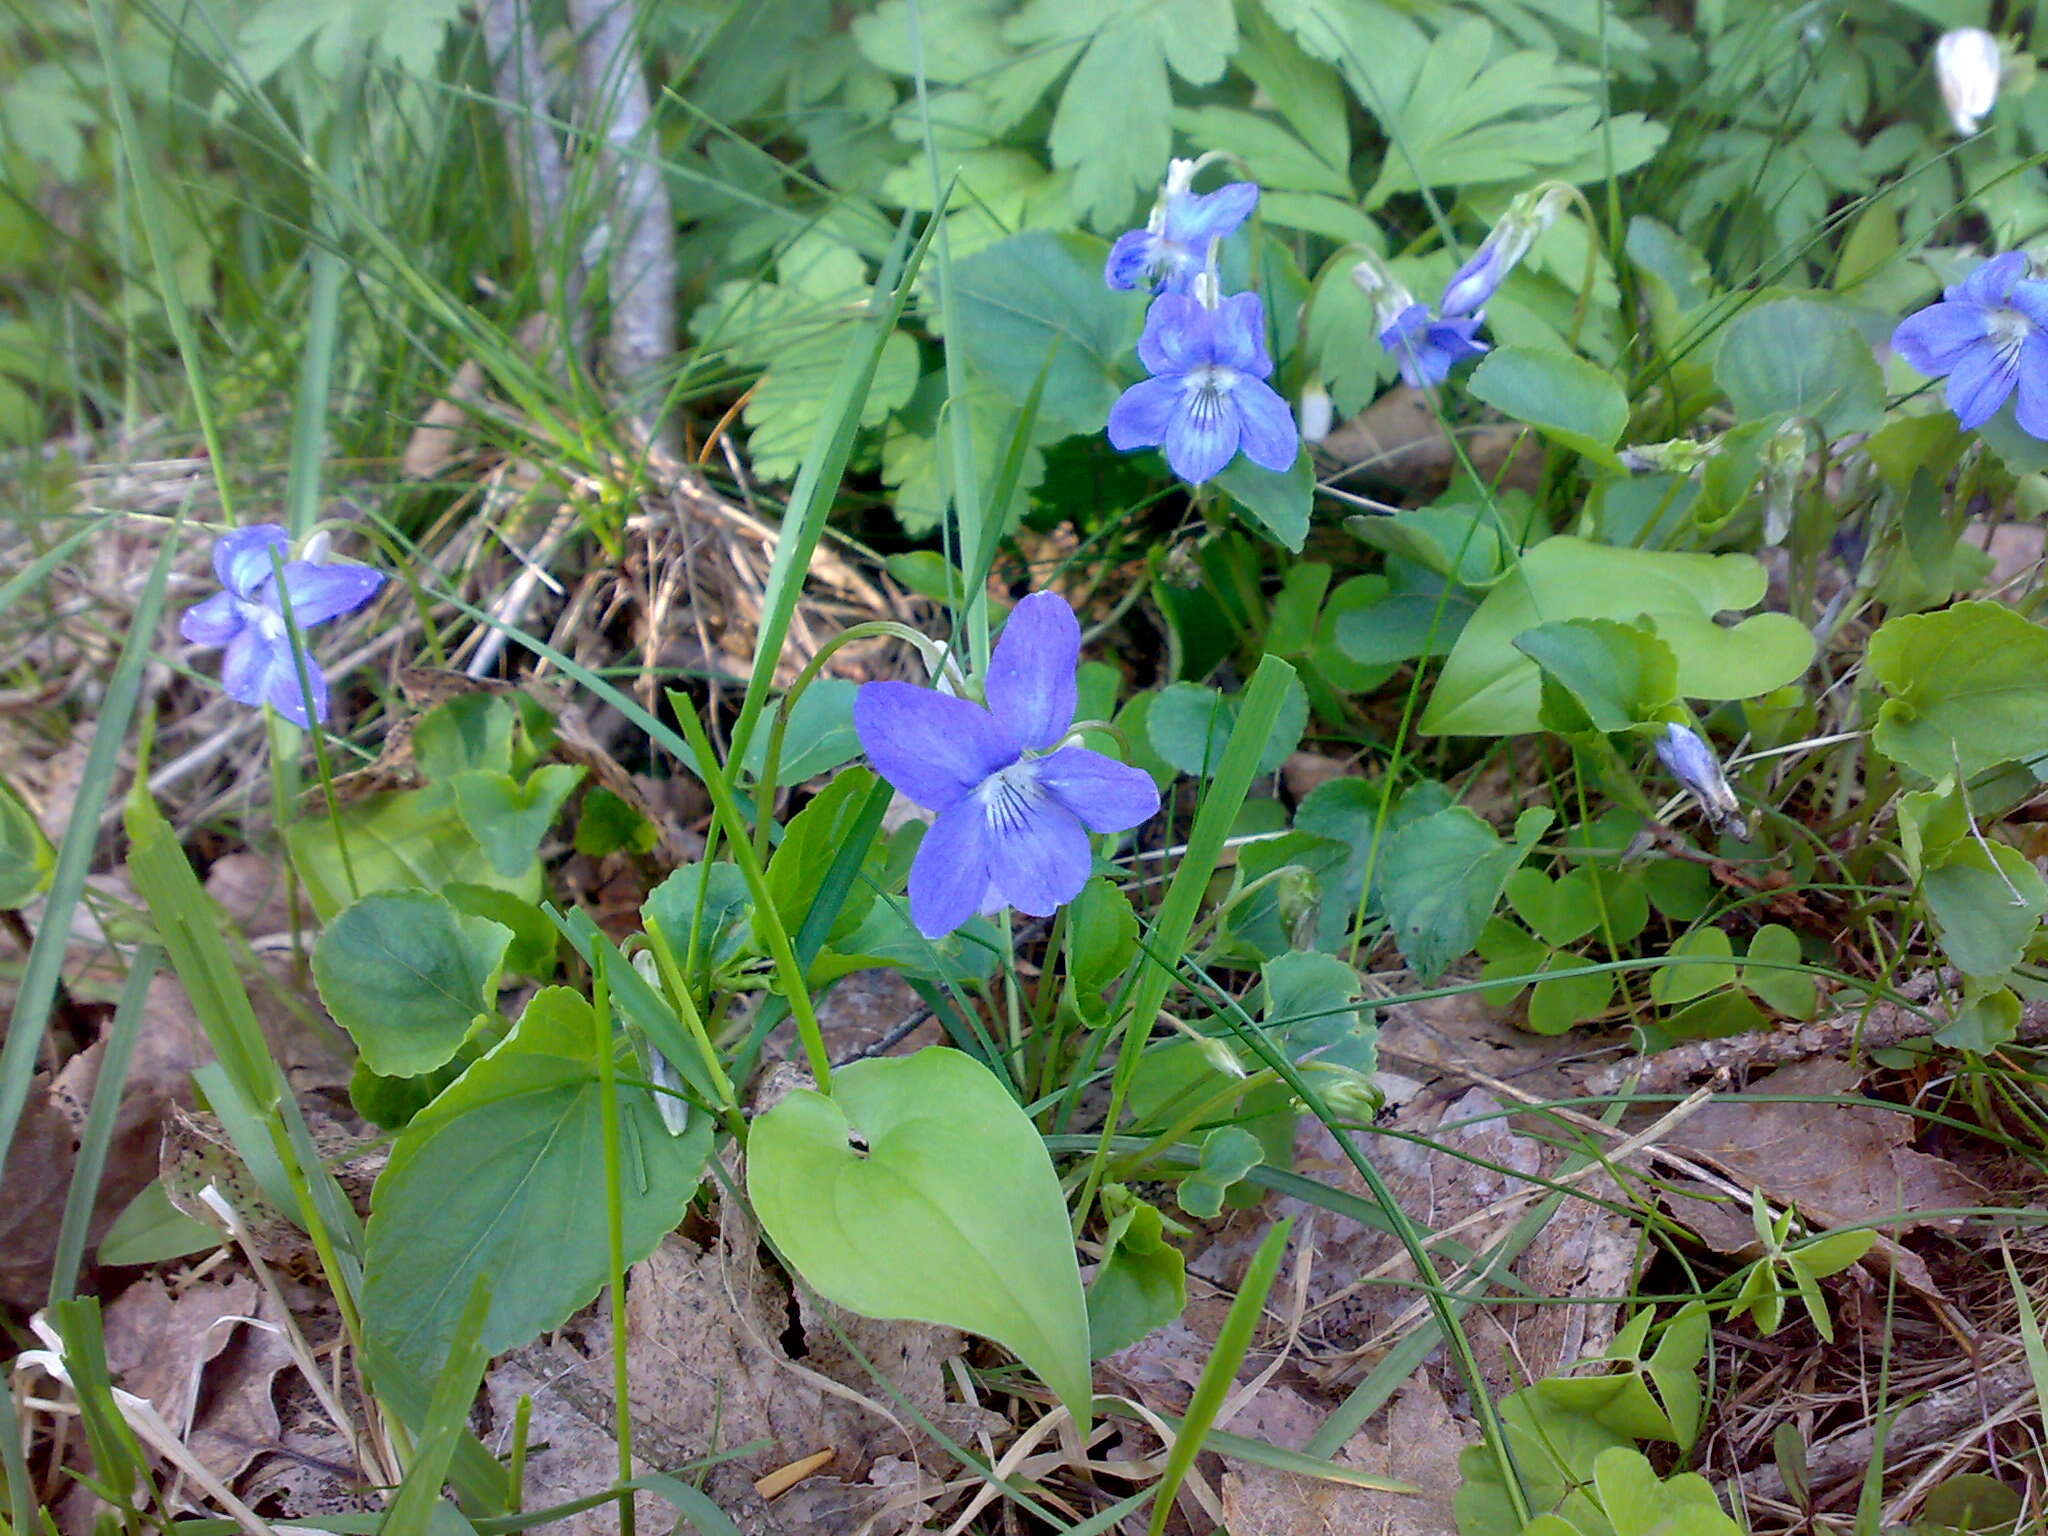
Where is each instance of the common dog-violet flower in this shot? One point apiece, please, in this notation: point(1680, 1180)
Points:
point(1502, 250)
point(1014, 806)
point(1173, 246)
point(1425, 348)
point(1208, 396)
point(247, 617)
point(1691, 761)
point(1986, 335)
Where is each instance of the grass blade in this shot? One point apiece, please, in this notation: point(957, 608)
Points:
point(98, 1134)
point(1218, 1376)
point(45, 965)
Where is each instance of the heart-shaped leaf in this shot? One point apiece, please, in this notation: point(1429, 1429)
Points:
point(921, 1190)
point(406, 975)
point(510, 819)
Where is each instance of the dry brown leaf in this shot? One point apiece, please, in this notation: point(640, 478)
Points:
point(158, 1341)
point(1398, 439)
point(1416, 1440)
point(1839, 1163)
point(712, 1334)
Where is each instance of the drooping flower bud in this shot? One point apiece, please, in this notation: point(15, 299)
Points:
point(1679, 456)
point(1390, 301)
point(1781, 466)
point(1528, 216)
point(1968, 64)
point(1317, 413)
point(1691, 761)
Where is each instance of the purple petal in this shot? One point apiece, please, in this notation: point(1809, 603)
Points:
point(949, 876)
point(1238, 335)
point(245, 670)
point(1039, 858)
point(2031, 300)
point(284, 693)
point(1176, 335)
point(1133, 260)
point(1201, 438)
point(1031, 687)
point(1990, 283)
point(930, 745)
point(1195, 220)
point(1107, 795)
point(213, 622)
point(1266, 427)
point(1934, 340)
point(323, 592)
point(241, 556)
point(1144, 412)
point(1476, 281)
point(1979, 383)
point(2032, 407)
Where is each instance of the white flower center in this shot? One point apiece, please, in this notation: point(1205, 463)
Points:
point(1209, 387)
point(2009, 331)
point(268, 621)
point(1009, 795)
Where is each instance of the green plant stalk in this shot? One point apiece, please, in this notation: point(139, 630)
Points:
point(443, 1430)
point(778, 728)
point(98, 1133)
point(515, 1463)
point(766, 917)
point(1248, 736)
point(142, 183)
point(685, 1004)
point(968, 510)
point(21, 1506)
point(1254, 1039)
point(119, 1459)
point(302, 669)
point(614, 1232)
point(810, 499)
point(43, 971)
point(323, 307)
point(1233, 1340)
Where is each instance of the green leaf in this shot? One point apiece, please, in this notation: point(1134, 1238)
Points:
point(1640, 1504)
point(921, 1190)
point(819, 736)
point(608, 824)
point(810, 843)
point(26, 857)
point(1488, 688)
point(915, 451)
point(1141, 1285)
point(1789, 992)
point(509, 820)
point(783, 413)
point(151, 1230)
point(1699, 974)
point(406, 975)
point(1102, 940)
point(1968, 686)
point(1274, 158)
point(1986, 901)
point(1801, 357)
point(1566, 398)
point(1311, 1009)
point(532, 951)
point(1277, 504)
point(503, 1175)
point(1112, 126)
point(1188, 725)
point(1038, 295)
point(721, 932)
point(1441, 877)
point(1988, 1019)
point(1465, 544)
point(472, 731)
point(1228, 1154)
point(1616, 675)
point(1472, 114)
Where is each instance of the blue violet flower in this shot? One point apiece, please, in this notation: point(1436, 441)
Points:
point(1208, 396)
point(1173, 246)
point(1528, 216)
point(1688, 759)
point(1986, 335)
point(1426, 348)
point(247, 617)
point(1014, 807)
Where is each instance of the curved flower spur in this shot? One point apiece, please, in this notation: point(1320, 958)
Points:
point(1015, 807)
point(247, 616)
